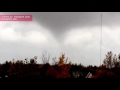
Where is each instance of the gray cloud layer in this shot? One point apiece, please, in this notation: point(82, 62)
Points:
point(75, 33)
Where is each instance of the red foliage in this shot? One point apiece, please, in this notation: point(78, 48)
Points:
point(61, 70)
point(51, 72)
point(104, 74)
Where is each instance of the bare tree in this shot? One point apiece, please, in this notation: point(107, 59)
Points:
point(45, 57)
point(54, 62)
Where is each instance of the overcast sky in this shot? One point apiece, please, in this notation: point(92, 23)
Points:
point(77, 34)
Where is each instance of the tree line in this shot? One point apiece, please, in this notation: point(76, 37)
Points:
point(60, 68)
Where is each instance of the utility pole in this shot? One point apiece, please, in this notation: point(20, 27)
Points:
point(101, 41)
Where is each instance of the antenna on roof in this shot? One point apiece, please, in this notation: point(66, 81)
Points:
point(101, 41)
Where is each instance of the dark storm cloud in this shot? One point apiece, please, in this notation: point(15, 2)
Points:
point(60, 22)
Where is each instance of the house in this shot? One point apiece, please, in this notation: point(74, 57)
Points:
point(89, 75)
point(78, 74)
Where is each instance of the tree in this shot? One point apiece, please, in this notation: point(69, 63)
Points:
point(62, 60)
point(26, 61)
point(33, 60)
point(109, 61)
point(45, 57)
point(61, 69)
point(54, 62)
point(64, 67)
